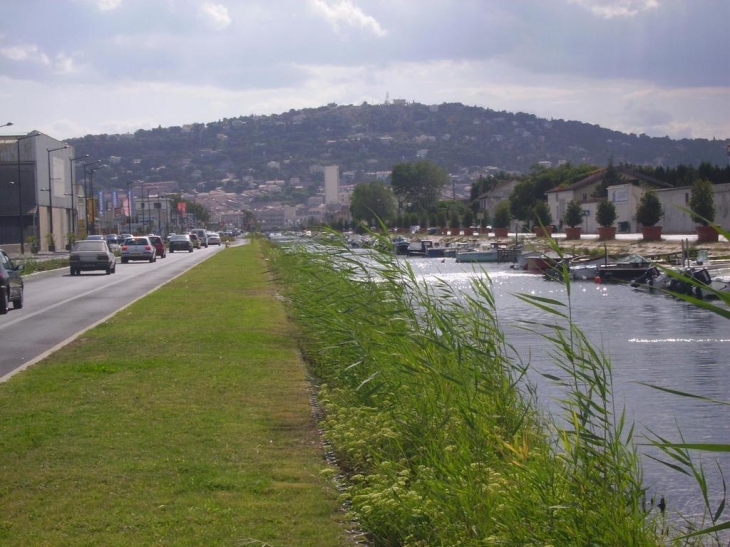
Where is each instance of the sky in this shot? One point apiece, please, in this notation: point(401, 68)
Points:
point(70, 68)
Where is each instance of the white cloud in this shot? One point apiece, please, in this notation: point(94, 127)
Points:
point(108, 5)
point(339, 12)
point(616, 8)
point(215, 15)
point(25, 53)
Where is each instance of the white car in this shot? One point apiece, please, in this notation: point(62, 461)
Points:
point(138, 248)
point(214, 238)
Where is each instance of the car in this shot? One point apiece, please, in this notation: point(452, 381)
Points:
point(159, 245)
point(112, 239)
point(202, 236)
point(95, 237)
point(214, 238)
point(138, 248)
point(124, 237)
point(91, 254)
point(181, 242)
point(195, 240)
point(11, 284)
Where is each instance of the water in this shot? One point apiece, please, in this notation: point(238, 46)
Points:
point(649, 338)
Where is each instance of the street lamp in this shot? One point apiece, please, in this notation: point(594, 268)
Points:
point(93, 201)
point(50, 188)
point(6, 124)
point(73, 202)
point(130, 202)
point(86, 198)
point(20, 193)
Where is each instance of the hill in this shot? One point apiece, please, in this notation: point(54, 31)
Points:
point(365, 139)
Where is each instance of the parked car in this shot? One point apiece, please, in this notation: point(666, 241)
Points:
point(90, 254)
point(181, 242)
point(195, 240)
point(159, 245)
point(138, 248)
point(214, 238)
point(202, 236)
point(11, 284)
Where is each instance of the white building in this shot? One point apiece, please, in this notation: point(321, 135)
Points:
point(331, 184)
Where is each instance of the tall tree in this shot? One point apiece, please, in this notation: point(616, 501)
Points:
point(418, 185)
point(373, 200)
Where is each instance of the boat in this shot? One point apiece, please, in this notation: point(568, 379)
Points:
point(497, 252)
point(627, 269)
point(419, 247)
point(401, 245)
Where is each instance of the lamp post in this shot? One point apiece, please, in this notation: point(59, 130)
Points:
point(20, 192)
point(6, 124)
point(73, 202)
point(86, 193)
point(93, 200)
point(50, 188)
point(130, 201)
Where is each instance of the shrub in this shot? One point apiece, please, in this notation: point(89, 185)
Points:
point(574, 213)
point(541, 214)
point(502, 215)
point(650, 210)
point(606, 213)
point(702, 202)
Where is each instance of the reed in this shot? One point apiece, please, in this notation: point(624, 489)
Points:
point(431, 415)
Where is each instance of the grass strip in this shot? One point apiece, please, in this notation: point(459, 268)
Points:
point(183, 420)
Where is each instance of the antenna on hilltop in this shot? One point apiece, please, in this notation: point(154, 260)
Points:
point(387, 97)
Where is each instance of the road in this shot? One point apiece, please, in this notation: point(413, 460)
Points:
point(58, 307)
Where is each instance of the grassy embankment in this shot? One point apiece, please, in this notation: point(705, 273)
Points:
point(183, 420)
point(429, 413)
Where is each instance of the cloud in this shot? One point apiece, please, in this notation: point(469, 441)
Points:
point(30, 53)
point(108, 5)
point(216, 15)
point(338, 12)
point(616, 8)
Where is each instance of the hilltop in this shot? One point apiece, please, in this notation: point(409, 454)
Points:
point(366, 141)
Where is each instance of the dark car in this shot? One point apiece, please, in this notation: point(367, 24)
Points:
point(92, 255)
point(180, 242)
point(159, 245)
point(11, 284)
point(113, 239)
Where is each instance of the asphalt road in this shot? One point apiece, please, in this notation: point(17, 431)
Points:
point(58, 307)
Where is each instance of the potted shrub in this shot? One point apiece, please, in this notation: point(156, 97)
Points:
point(51, 242)
point(32, 242)
point(70, 240)
point(573, 218)
point(502, 218)
point(648, 213)
point(606, 216)
point(543, 219)
point(702, 204)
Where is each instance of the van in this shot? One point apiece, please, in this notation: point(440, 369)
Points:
point(202, 236)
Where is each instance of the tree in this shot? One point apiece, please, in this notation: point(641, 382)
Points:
point(522, 201)
point(702, 202)
point(605, 213)
point(650, 210)
point(502, 215)
point(418, 184)
point(573, 213)
point(372, 200)
point(541, 215)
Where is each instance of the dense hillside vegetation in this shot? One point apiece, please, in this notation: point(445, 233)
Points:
point(369, 138)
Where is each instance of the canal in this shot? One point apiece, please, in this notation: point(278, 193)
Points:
point(649, 338)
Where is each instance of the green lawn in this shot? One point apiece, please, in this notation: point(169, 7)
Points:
point(184, 420)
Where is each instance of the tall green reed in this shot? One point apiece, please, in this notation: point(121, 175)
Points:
point(431, 414)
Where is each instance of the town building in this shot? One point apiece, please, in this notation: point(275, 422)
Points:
point(41, 201)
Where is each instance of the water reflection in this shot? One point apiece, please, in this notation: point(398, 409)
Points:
point(650, 338)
